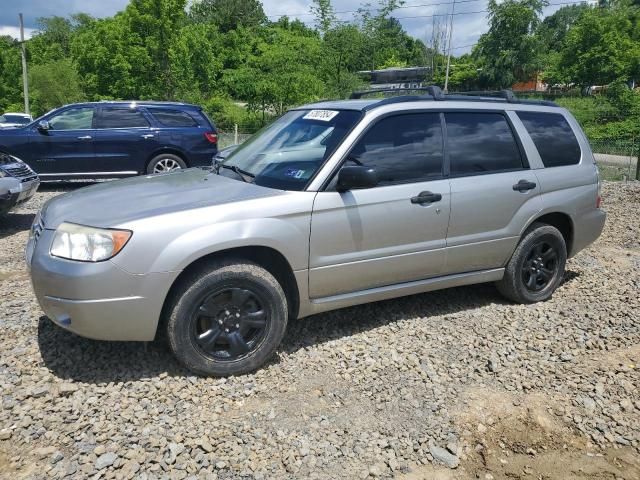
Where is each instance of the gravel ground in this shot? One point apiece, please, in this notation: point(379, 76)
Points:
point(451, 384)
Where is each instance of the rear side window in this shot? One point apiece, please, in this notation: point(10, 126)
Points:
point(403, 148)
point(553, 137)
point(481, 143)
point(170, 117)
point(121, 118)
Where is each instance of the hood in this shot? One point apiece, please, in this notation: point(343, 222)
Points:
point(115, 203)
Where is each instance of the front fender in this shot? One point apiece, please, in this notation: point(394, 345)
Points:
point(289, 236)
point(286, 238)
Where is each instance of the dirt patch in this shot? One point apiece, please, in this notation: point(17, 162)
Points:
point(523, 437)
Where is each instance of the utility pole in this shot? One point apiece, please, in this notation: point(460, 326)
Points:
point(638, 163)
point(25, 77)
point(446, 76)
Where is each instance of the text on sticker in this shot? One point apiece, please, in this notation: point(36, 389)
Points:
point(323, 115)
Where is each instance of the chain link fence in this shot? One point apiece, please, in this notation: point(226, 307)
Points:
point(617, 159)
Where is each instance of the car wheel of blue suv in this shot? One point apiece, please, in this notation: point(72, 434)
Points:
point(165, 162)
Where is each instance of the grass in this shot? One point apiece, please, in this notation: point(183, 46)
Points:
point(614, 174)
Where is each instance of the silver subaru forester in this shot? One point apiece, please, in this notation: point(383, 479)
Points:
point(335, 204)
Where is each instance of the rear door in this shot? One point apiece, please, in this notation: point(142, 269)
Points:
point(125, 140)
point(493, 191)
point(394, 232)
point(66, 148)
point(187, 130)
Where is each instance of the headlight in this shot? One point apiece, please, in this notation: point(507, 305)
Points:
point(87, 244)
point(3, 173)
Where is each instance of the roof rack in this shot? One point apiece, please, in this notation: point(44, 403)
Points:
point(508, 95)
point(432, 90)
point(434, 93)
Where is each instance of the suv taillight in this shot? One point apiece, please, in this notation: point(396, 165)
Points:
point(598, 201)
point(212, 137)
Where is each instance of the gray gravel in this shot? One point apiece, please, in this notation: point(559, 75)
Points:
point(458, 377)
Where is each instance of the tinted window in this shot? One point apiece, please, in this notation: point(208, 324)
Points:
point(121, 118)
point(481, 143)
point(72, 119)
point(553, 137)
point(403, 148)
point(9, 118)
point(173, 118)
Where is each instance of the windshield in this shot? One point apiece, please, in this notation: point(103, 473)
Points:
point(19, 119)
point(287, 153)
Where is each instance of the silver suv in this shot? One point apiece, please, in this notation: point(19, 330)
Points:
point(335, 204)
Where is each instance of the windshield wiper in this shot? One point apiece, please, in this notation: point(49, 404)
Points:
point(235, 169)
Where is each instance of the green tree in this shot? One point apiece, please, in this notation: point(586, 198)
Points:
point(553, 29)
point(510, 52)
point(196, 62)
point(54, 84)
point(282, 70)
point(325, 15)
point(128, 55)
point(10, 72)
point(228, 15)
point(343, 54)
point(463, 74)
point(602, 46)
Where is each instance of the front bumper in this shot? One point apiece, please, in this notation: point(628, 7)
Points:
point(96, 300)
point(19, 192)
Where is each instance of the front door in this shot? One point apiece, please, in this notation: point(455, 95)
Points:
point(493, 191)
point(124, 140)
point(67, 146)
point(392, 233)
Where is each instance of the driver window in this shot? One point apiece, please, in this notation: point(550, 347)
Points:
point(73, 119)
point(403, 148)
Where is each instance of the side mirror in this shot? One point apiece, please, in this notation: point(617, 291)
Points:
point(43, 126)
point(353, 177)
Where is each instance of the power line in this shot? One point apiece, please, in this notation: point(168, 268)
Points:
point(307, 14)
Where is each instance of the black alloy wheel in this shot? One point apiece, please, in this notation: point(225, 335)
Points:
point(536, 267)
point(226, 317)
point(230, 323)
point(540, 266)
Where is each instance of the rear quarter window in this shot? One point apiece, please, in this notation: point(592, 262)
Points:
point(553, 137)
point(170, 117)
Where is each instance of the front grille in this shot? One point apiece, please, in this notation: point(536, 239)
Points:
point(21, 171)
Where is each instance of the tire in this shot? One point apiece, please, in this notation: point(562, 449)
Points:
point(228, 318)
point(536, 267)
point(165, 162)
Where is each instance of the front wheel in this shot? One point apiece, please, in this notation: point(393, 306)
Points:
point(536, 267)
point(227, 319)
point(165, 162)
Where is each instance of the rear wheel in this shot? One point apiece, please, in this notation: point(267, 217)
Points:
point(165, 162)
point(227, 319)
point(536, 267)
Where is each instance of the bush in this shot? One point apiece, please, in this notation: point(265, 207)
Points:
point(226, 113)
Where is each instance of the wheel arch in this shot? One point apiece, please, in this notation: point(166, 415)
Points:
point(266, 257)
point(560, 220)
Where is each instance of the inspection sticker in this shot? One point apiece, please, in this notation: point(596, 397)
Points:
point(292, 172)
point(323, 115)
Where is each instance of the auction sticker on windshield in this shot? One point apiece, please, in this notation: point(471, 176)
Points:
point(323, 115)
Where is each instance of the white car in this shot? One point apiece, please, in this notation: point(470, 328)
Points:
point(13, 120)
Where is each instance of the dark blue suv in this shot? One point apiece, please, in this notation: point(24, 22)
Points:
point(113, 139)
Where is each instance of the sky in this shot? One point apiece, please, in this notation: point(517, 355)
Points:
point(417, 16)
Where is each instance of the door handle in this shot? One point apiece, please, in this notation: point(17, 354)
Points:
point(147, 135)
point(524, 185)
point(426, 197)
point(85, 137)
